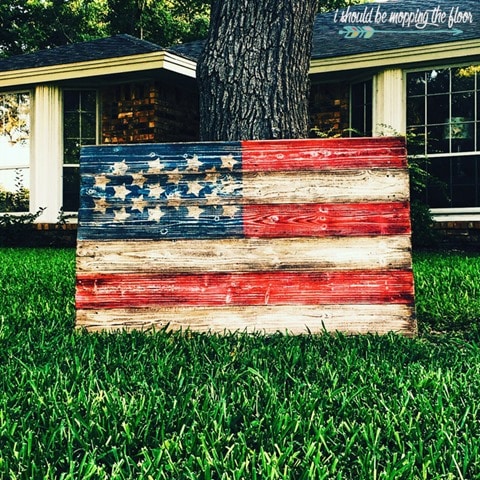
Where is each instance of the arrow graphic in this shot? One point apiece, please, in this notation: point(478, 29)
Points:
point(353, 31)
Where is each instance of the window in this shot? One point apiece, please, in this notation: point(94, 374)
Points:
point(80, 128)
point(14, 152)
point(361, 108)
point(443, 111)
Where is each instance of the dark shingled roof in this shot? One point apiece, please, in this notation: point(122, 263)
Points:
point(328, 42)
point(191, 50)
point(110, 47)
point(329, 36)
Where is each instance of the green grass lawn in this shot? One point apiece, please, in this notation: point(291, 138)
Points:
point(195, 406)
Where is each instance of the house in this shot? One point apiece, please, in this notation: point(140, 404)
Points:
point(113, 90)
point(408, 67)
point(379, 68)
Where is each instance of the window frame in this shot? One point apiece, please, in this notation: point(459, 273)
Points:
point(22, 166)
point(367, 106)
point(71, 165)
point(452, 212)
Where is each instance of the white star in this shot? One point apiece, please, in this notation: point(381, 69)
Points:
point(195, 211)
point(230, 210)
point(139, 203)
point(212, 177)
point(121, 191)
point(193, 164)
point(120, 215)
point(155, 191)
point(120, 168)
point(228, 162)
point(174, 198)
point(194, 188)
point(101, 181)
point(155, 214)
point(155, 166)
point(174, 177)
point(138, 179)
point(101, 205)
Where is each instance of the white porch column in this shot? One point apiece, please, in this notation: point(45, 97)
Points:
point(389, 113)
point(47, 153)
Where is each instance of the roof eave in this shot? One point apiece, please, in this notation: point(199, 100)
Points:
point(403, 56)
point(93, 68)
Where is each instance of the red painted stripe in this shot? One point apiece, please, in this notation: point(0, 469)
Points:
point(261, 288)
point(324, 154)
point(321, 220)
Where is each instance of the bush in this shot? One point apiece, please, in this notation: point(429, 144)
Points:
point(17, 230)
point(17, 201)
point(423, 233)
point(14, 201)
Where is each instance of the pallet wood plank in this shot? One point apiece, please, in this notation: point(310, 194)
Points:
point(245, 255)
point(352, 319)
point(244, 188)
point(336, 154)
point(246, 288)
point(258, 155)
point(274, 221)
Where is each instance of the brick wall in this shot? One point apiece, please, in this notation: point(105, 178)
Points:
point(459, 234)
point(149, 112)
point(328, 108)
point(159, 112)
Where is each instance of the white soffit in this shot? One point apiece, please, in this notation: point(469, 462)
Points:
point(424, 53)
point(93, 68)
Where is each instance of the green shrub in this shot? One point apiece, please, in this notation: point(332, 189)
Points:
point(18, 200)
point(14, 201)
point(423, 233)
point(17, 229)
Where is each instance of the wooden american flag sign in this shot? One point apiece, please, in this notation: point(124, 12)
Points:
point(289, 235)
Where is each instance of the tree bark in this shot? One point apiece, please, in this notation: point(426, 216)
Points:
point(253, 72)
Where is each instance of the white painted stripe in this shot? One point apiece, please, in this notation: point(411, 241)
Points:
point(244, 255)
point(353, 319)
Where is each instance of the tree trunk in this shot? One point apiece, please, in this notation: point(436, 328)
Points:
point(253, 72)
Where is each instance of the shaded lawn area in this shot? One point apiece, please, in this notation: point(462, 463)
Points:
point(173, 405)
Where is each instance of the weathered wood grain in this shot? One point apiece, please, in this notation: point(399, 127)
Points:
point(322, 220)
point(246, 288)
point(352, 319)
point(334, 153)
point(259, 155)
point(360, 186)
point(244, 255)
point(301, 235)
point(274, 221)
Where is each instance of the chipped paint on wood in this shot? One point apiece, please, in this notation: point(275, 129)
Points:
point(245, 255)
point(261, 235)
point(350, 319)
